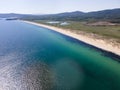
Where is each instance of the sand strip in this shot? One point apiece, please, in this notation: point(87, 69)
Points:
point(102, 44)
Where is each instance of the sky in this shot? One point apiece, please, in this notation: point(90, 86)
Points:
point(55, 6)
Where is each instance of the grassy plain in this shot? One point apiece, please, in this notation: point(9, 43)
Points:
point(102, 31)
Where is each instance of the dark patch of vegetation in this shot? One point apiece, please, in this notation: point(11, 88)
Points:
point(112, 15)
point(105, 15)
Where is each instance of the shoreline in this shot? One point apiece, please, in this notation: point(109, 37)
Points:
point(100, 43)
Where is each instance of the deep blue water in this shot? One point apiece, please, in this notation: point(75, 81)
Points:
point(36, 58)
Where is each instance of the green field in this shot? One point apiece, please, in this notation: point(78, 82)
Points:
point(108, 32)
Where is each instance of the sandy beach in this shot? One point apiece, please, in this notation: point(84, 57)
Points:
point(100, 43)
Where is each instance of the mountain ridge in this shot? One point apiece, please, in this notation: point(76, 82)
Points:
point(109, 14)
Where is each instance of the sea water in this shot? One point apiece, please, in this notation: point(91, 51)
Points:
point(36, 58)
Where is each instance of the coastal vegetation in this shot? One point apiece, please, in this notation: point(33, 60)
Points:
point(99, 31)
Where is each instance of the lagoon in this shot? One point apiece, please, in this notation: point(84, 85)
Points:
point(36, 58)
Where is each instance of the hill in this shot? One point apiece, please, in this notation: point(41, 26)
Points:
point(112, 15)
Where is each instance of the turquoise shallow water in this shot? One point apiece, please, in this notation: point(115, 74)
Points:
point(35, 58)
